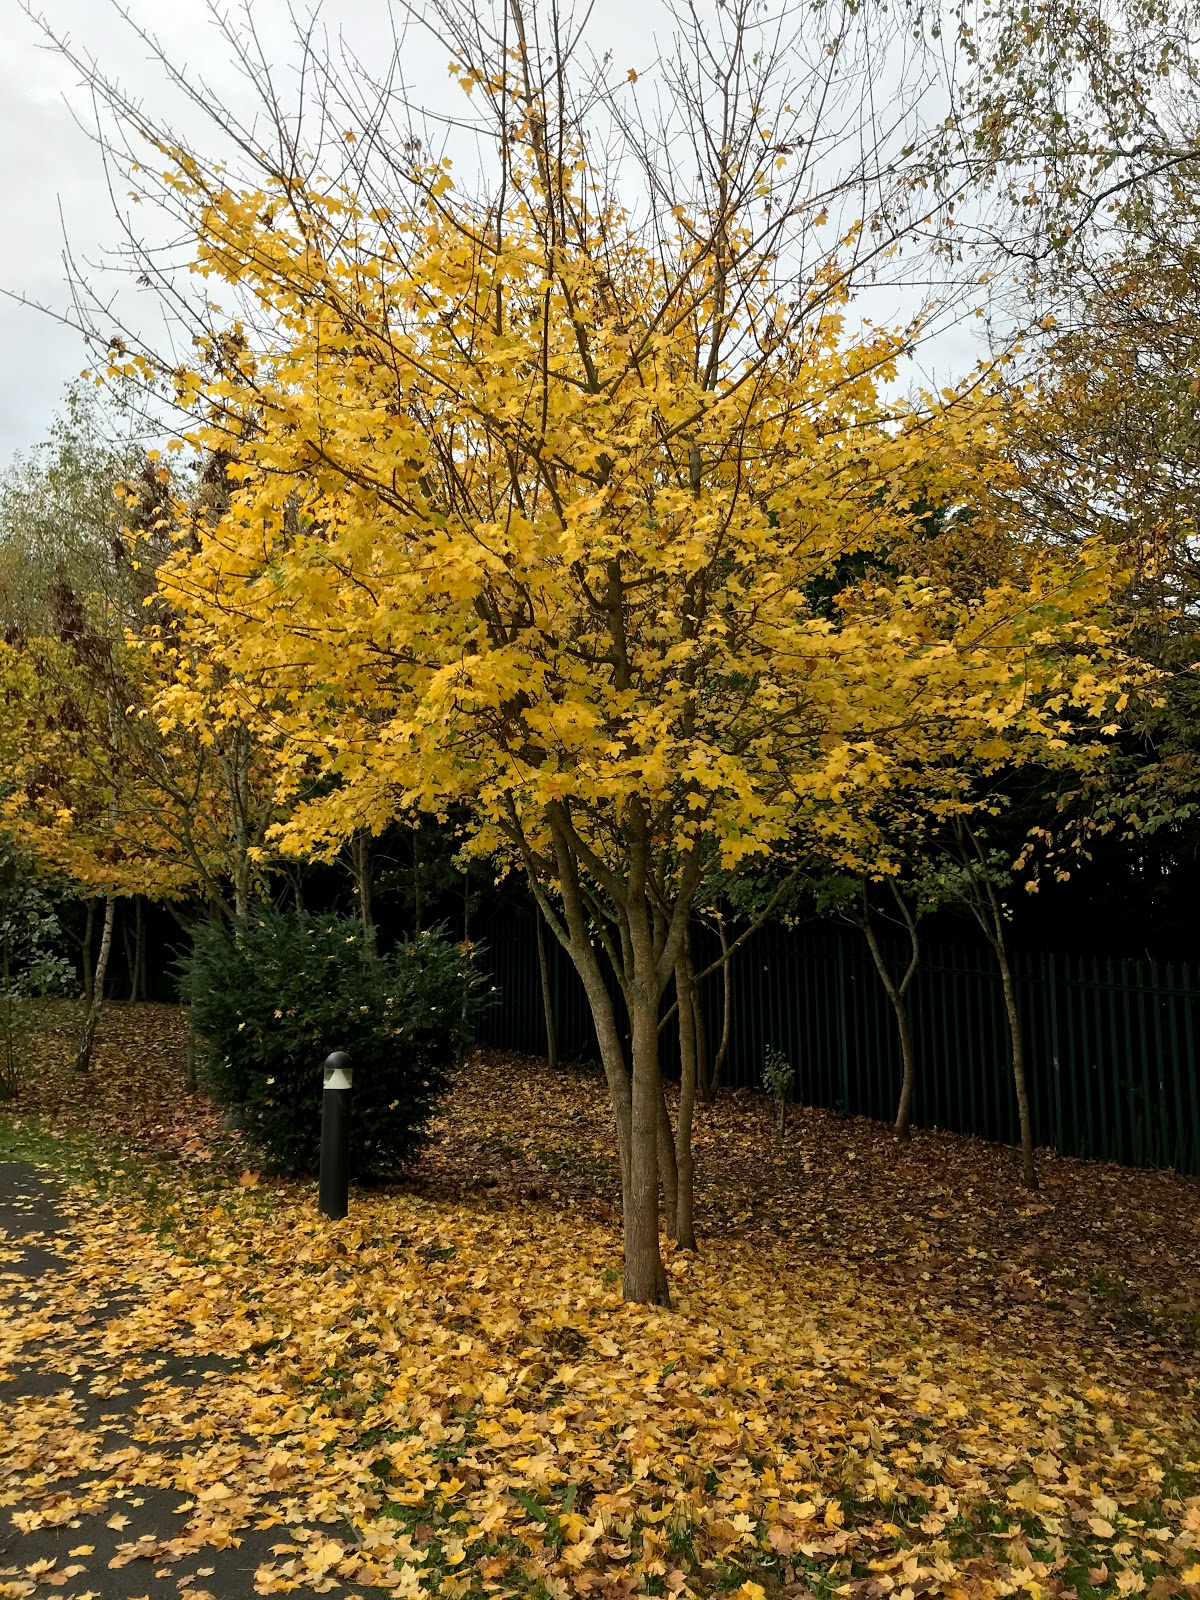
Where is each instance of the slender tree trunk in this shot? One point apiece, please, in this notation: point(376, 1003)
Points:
point(685, 1222)
point(902, 1127)
point(701, 1034)
point(642, 932)
point(612, 1057)
point(87, 1042)
point(141, 945)
point(1028, 1166)
point(714, 1077)
point(364, 887)
point(667, 1169)
point(127, 940)
point(134, 939)
point(897, 993)
point(237, 763)
point(89, 933)
point(547, 995)
point(645, 1279)
point(988, 910)
point(642, 948)
point(241, 884)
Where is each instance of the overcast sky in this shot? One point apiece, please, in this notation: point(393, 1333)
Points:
point(54, 182)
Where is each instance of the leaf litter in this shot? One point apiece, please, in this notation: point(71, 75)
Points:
point(445, 1395)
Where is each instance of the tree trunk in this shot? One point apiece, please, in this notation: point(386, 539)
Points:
point(364, 888)
point(612, 1057)
point(667, 1169)
point(87, 1042)
point(642, 947)
point(988, 911)
point(89, 932)
point(547, 995)
point(241, 885)
point(1028, 1167)
point(897, 993)
point(134, 939)
point(902, 1127)
point(645, 1279)
point(714, 1077)
point(141, 945)
point(701, 1035)
point(127, 940)
point(685, 1223)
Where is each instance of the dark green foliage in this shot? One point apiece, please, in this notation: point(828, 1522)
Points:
point(31, 961)
point(273, 1000)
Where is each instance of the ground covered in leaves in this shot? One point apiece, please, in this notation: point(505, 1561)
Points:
point(888, 1372)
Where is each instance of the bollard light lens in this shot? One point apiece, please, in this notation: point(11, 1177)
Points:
point(339, 1077)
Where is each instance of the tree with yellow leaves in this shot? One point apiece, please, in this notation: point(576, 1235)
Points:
point(106, 795)
point(585, 520)
point(70, 685)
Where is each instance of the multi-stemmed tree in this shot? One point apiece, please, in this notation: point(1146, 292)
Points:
point(575, 498)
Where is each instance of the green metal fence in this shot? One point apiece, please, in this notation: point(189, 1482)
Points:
point(1110, 1045)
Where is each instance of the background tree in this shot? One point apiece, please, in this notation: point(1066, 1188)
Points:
point(66, 590)
point(979, 877)
point(32, 964)
point(112, 787)
point(1083, 122)
point(894, 903)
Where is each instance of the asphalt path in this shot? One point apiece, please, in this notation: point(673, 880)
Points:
point(97, 1432)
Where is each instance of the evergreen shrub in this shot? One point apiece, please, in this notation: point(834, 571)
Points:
point(272, 1000)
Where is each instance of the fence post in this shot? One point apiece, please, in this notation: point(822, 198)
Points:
point(335, 1137)
point(843, 1024)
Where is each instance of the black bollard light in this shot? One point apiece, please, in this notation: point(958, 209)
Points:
point(335, 1136)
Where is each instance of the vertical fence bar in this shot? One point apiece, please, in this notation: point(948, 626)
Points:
point(1003, 1078)
point(1143, 1034)
point(1067, 1076)
point(1051, 973)
point(1095, 1076)
point(1140, 1071)
point(882, 1076)
point(947, 1096)
point(965, 1068)
point(1030, 1012)
point(1165, 1151)
point(1187, 1069)
point(842, 1040)
point(1085, 999)
point(1170, 1063)
point(1135, 1119)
